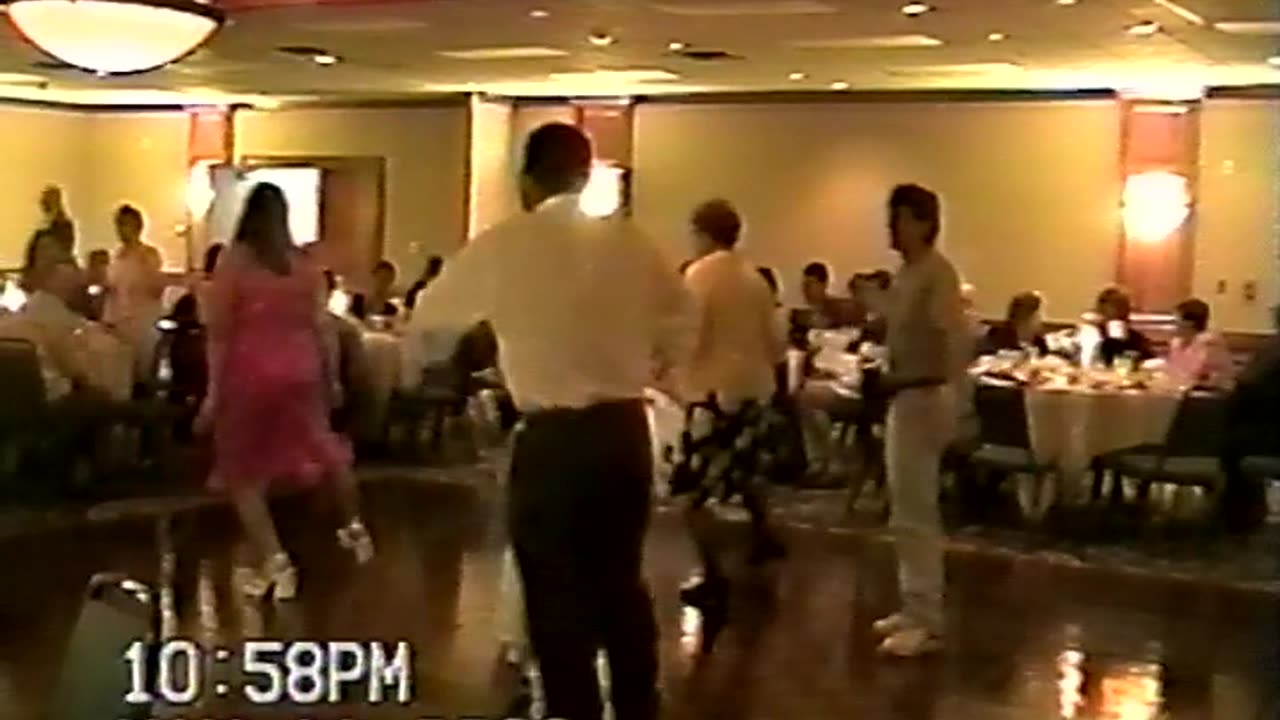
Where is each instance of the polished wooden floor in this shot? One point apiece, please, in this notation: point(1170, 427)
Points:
point(1027, 639)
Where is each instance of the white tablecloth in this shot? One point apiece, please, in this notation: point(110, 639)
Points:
point(111, 365)
point(1071, 427)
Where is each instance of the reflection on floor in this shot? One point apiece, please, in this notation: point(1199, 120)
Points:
point(1027, 639)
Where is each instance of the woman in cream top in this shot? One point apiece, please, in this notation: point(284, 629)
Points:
point(136, 285)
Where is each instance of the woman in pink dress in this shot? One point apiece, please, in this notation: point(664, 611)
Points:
point(270, 387)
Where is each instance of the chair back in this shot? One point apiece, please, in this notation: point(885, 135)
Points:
point(1198, 428)
point(23, 383)
point(1002, 416)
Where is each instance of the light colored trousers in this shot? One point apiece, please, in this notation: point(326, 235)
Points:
point(921, 424)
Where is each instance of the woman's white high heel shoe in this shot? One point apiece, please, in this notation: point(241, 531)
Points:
point(277, 578)
point(355, 537)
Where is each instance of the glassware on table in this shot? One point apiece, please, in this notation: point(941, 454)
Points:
point(795, 369)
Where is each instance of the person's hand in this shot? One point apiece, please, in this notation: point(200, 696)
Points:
point(203, 424)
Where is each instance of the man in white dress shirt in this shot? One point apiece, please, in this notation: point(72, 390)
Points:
point(929, 347)
point(581, 308)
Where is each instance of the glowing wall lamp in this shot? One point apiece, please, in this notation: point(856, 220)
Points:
point(1154, 205)
point(200, 191)
point(602, 196)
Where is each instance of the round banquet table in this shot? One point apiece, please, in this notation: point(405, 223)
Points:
point(111, 365)
point(1070, 427)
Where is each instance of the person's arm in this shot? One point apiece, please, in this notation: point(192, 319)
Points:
point(458, 299)
point(947, 316)
point(676, 322)
point(154, 273)
point(326, 334)
point(220, 306)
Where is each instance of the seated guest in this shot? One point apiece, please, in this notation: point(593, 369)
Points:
point(48, 322)
point(973, 320)
point(348, 355)
point(1020, 330)
point(873, 293)
point(378, 301)
point(1252, 428)
point(1198, 356)
point(96, 278)
point(184, 345)
point(1119, 337)
point(432, 270)
point(821, 311)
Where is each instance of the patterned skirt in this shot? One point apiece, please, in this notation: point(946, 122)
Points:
point(720, 451)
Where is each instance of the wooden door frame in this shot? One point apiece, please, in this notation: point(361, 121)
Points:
point(377, 163)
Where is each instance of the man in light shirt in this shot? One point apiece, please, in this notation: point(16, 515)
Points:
point(581, 308)
point(48, 322)
point(928, 341)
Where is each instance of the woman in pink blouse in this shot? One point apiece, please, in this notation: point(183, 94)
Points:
point(1198, 356)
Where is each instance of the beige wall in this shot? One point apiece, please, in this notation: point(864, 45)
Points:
point(100, 160)
point(140, 159)
point(1029, 189)
point(426, 156)
point(41, 147)
point(1238, 211)
point(493, 191)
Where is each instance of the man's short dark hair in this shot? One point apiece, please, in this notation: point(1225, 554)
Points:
point(128, 212)
point(770, 278)
point(882, 279)
point(1195, 312)
point(817, 271)
point(922, 204)
point(556, 156)
point(1022, 306)
point(384, 266)
point(718, 221)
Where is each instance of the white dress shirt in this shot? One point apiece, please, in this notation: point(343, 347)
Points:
point(584, 309)
point(738, 340)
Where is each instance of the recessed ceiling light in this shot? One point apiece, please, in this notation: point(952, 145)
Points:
point(600, 39)
point(539, 14)
point(1143, 29)
point(797, 76)
point(676, 46)
point(1066, 2)
point(915, 8)
point(996, 37)
point(1263, 27)
point(872, 42)
point(325, 60)
point(503, 53)
point(840, 85)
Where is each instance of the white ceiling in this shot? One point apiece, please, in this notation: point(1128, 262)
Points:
point(393, 49)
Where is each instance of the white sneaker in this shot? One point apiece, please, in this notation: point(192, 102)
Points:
point(355, 537)
point(911, 642)
point(884, 627)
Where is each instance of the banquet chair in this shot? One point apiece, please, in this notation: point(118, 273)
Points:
point(24, 412)
point(1190, 455)
point(1004, 442)
point(440, 396)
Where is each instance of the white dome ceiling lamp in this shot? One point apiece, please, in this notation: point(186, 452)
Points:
point(116, 37)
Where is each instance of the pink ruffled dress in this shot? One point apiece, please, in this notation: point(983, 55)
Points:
point(267, 375)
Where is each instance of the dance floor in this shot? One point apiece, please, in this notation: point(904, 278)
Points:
point(1028, 638)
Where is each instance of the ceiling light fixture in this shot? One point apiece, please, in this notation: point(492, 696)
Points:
point(1274, 61)
point(1143, 29)
point(600, 39)
point(1066, 2)
point(915, 8)
point(1260, 28)
point(996, 37)
point(676, 46)
point(840, 85)
point(539, 14)
point(326, 59)
point(116, 37)
point(797, 76)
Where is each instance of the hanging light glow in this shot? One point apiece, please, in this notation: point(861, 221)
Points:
point(1155, 204)
point(602, 196)
point(115, 37)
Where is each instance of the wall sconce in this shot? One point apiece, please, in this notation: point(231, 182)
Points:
point(1154, 205)
point(602, 196)
point(200, 193)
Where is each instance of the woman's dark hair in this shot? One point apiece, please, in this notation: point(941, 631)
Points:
point(128, 212)
point(770, 278)
point(1115, 296)
point(211, 256)
point(718, 221)
point(264, 227)
point(882, 279)
point(1195, 312)
point(1022, 306)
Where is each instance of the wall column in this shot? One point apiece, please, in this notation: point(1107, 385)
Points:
point(1159, 157)
point(210, 142)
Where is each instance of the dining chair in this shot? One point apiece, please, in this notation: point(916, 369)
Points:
point(24, 410)
point(1189, 456)
point(1004, 444)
